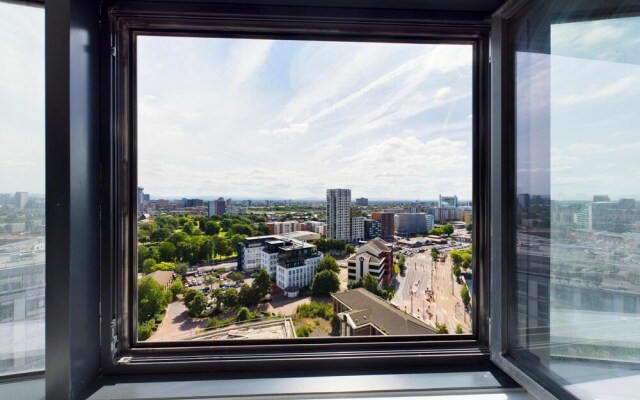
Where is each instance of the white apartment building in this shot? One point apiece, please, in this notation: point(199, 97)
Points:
point(297, 276)
point(339, 214)
point(357, 229)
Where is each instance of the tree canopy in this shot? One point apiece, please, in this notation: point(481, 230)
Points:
point(325, 282)
point(328, 263)
point(152, 299)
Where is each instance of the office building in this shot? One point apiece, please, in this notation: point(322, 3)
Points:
point(408, 224)
point(217, 207)
point(373, 258)
point(362, 202)
point(448, 201)
point(387, 224)
point(338, 214)
point(140, 196)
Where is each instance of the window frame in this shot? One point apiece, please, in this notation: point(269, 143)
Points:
point(119, 183)
point(542, 384)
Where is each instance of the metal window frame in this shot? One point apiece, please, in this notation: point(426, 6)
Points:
point(543, 384)
point(122, 354)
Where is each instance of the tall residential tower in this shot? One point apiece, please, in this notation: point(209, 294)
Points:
point(338, 214)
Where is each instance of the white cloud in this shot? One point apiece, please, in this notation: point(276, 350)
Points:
point(245, 59)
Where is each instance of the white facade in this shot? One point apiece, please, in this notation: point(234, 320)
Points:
point(338, 214)
point(297, 277)
point(20, 199)
point(357, 229)
point(269, 262)
point(252, 257)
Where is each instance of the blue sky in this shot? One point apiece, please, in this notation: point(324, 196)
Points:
point(289, 119)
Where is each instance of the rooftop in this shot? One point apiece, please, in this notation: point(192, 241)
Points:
point(368, 308)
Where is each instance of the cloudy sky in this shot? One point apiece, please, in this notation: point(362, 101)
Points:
point(258, 118)
point(289, 119)
point(592, 80)
point(21, 99)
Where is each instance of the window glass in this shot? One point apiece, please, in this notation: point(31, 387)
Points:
point(577, 247)
point(22, 189)
point(294, 188)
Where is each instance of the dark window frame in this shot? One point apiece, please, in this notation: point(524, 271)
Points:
point(119, 181)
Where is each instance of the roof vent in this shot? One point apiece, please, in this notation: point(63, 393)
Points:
point(365, 317)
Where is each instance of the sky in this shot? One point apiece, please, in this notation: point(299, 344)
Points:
point(257, 118)
point(592, 80)
point(21, 99)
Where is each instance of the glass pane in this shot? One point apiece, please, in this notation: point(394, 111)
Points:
point(263, 162)
point(22, 189)
point(577, 278)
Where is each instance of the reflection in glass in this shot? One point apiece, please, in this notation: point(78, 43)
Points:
point(577, 275)
point(22, 201)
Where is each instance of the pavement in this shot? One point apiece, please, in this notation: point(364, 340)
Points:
point(423, 275)
point(177, 324)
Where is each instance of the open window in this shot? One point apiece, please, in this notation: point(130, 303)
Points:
point(231, 132)
point(566, 319)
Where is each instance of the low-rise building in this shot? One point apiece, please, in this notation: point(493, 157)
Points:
point(362, 313)
point(373, 258)
point(164, 278)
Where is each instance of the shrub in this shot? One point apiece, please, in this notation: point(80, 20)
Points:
point(303, 331)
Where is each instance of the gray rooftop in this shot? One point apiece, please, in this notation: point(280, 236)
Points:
point(381, 314)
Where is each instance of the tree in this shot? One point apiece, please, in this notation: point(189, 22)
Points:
point(248, 296)
point(148, 265)
point(464, 294)
point(435, 254)
point(441, 329)
point(230, 299)
point(198, 305)
point(447, 229)
point(370, 283)
point(182, 268)
point(328, 263)
point(459, 329)
point(164, 266)
point(456, 271)
point(469, 227)
point(325, 282)
point(144, 253)
point(211, 228)
point(402, 264)
point(262, 284)
point(167, 251)
point(176, 288)
point(177, 237)
point(236, 276)
point(263, 229)
point(241, 229)
point(220, 246)
point(152, 298)
point(160, 234)
point(349, 249)
point(243, 314)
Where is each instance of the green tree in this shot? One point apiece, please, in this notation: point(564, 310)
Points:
point(144, 253)
point(177, 237)
point(241, 229)
point(243, 314)
point(456, 271)
point(262, 283)
point(370, 283)
point(198, 305)
point(263, 229)
point(176, 288)
point(164, 266)
point(152, 298)
point(236, 276)
point(160, 235)
point(469, 227)
point(188, 228)
point(447, 229)
point(464, 294)
point(182, 268)
point(148, 265)
point(325, 282)
point(166, 251)
point(328, 263)
point(209, 280)
point(435, 254)
point(230, 299)
point(211, 228)
point(441, 329)
point(248, 296)
point(349, 249)
point(459, 329)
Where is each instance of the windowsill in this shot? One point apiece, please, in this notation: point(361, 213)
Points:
point(483, 383)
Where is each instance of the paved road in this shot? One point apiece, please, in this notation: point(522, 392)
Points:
point(177, 324)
